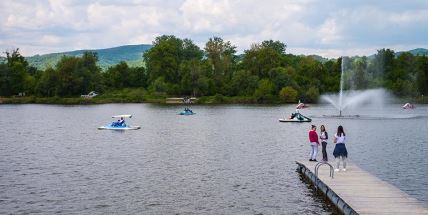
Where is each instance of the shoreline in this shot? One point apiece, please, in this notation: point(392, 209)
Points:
point(206, 100)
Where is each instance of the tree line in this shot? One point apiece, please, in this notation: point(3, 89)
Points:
point(178, 67)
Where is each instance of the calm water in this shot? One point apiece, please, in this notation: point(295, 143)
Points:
point(223, 160)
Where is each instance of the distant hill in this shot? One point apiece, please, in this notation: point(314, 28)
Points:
point(418, 51)
point(132, 54)
point(318, 58)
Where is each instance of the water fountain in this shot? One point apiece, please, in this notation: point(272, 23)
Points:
point(352, 99)
point(355, 99)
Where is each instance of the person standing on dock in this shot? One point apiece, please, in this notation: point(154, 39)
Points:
point(340, 152)
point(324, 138)
point(313, 139)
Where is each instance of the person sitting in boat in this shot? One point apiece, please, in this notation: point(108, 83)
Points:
point(115, 123)
point(121, 122)
point(298, 115)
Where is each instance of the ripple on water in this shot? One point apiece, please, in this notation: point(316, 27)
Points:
point(224, 160)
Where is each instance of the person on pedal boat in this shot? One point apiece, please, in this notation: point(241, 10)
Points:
point(115, 123)
point(121, 122)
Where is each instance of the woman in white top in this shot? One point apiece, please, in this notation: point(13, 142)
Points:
point(324, 138)
point(340, 152)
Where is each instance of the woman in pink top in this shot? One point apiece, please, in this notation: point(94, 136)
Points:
point(313, 139)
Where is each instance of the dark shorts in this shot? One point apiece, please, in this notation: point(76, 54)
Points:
point(340, 150)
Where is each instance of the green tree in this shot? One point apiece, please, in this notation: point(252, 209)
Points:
point(191, 51)
point(422, 75)
point(204, 86)
point(264, 91)
point(312, 94)
point(260, 60)
point(220, 55)
point(118, 76)
point(159, 85)
point(5, 80)
point(68, 81)
point(244, 83)
point(168, 59)
point(48, 83)
point(13, 74)
point(288, 94)
point(137, 77)
point(163, 59)
point(89, 72)
point(72, 76)
point(331, 80)
point(280, 77)
point(384, 60)
point(360, 78)
point(278, 46)
point(191, 72)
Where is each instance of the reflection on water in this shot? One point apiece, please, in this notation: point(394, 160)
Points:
point(223, 160)
point(319, 196)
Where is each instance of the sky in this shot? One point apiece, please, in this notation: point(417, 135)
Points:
point(330, 28)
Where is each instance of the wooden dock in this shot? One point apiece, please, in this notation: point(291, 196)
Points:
point(359, 192)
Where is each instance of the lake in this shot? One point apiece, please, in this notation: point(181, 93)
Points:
point(226, 159)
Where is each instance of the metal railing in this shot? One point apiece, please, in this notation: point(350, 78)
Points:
point(317, 166)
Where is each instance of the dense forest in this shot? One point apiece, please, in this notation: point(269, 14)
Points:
point(265, 73)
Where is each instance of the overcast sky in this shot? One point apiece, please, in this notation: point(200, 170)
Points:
point(330, 28)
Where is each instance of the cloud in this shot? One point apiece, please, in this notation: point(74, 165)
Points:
point(51, 40)
point(331, 28)
point(329, 32)
point(198, 18)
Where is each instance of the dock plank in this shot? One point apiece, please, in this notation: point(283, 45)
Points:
point(365, 193)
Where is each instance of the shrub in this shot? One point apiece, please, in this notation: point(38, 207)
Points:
point(312, 94)
point(288, 94)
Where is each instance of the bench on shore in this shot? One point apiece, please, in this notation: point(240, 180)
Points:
point(179, 100)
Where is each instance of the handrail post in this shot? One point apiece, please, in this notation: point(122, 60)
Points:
point(317, 166)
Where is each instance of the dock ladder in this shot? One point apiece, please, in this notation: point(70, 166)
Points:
point(317, 166)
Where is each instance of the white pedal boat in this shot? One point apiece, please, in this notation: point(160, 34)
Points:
point(295, 120)
point(296, 117)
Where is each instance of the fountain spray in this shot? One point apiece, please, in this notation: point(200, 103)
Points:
point(342, 68)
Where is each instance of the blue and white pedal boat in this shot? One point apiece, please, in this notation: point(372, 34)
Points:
point(123, 127)
point(186, 113)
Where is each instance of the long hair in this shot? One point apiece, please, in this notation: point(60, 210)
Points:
point(322, 128)
point(340, 131)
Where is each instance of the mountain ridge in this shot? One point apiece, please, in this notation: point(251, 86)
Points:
point(132, 54)
point(416, 51)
